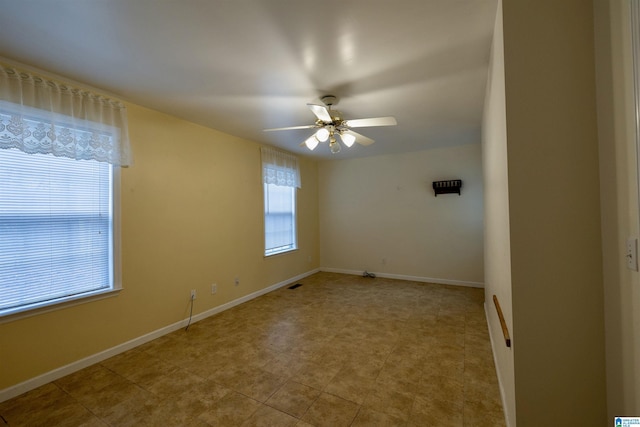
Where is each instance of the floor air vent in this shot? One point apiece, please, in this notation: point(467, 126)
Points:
point(297, 285)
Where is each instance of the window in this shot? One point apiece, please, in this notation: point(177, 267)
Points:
point(56, 229)
point(281, 178)
point(60, 152)
point(279, 219)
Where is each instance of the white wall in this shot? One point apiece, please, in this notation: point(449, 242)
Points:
point(619, 200)
point(379, 214)
point(497, 246)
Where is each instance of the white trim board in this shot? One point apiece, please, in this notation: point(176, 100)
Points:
point(47, 377)
point(411, 278)
point(495, 363)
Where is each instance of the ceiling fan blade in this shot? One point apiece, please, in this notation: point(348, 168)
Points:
point(321, 112)
point(374, 121)
point(290, 128)
point(360, 139)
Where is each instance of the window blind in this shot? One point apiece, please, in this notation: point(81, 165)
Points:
point(56, 229)
point(281, 178)
point(279, 218)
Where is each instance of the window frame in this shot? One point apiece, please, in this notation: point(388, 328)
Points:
point(115, 266)
point(289, 248)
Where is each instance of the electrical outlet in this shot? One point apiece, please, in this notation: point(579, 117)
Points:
point(193, 294)
point(237, 281)
point(214, 289)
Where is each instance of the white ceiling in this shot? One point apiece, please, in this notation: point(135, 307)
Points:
point(240, 66)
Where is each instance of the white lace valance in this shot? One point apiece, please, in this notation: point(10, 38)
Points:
point(280, 168)
point(39, 115)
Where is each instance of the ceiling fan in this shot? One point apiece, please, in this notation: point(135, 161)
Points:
point(330, 122)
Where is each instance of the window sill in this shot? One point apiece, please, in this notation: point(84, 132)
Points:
point(287, 251)
point(36, 309)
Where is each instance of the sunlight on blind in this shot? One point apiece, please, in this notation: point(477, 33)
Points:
point(279, 218)
point(56, 224)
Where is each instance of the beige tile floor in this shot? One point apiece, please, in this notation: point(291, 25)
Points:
point(338, 351)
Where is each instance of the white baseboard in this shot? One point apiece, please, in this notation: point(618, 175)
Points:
point(23, 387)
point(495, 362)
point(405, 277)
point(246, 298)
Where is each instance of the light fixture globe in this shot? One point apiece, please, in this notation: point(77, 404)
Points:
point(311, 142)
point(334, 146)
point(322, 134)
point(348, 139)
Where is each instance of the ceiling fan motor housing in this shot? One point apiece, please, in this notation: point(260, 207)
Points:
point(336, 116)
point(329, 100)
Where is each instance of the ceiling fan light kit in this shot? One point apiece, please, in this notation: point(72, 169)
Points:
point(330, 122)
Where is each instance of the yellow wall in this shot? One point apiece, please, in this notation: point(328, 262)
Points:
point(192, 215)
point(554, 213)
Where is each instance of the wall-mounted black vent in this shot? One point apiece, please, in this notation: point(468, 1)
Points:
point(447, 187)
